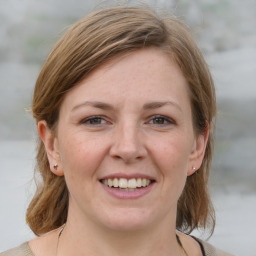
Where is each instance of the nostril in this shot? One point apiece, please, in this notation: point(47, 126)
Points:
point(127, 154)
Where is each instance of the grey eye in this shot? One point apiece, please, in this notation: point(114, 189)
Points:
point(94, 120)
point(160, 120)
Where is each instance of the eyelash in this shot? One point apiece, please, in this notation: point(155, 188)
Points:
point(166, 120)
point(91, 118)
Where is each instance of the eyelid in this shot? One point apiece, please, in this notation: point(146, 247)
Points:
point(168, 119)
point(84, 120)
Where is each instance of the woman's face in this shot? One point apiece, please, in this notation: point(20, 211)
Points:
point(125, 142)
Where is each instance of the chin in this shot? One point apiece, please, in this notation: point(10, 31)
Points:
point(128, 220)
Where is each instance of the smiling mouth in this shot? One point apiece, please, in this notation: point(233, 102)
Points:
point(124, 184)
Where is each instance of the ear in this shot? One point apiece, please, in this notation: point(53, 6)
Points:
point(198, 151)
point(51, 147)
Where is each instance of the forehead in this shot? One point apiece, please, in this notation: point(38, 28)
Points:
point(147, 74)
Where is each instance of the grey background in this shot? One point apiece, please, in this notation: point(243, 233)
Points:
point(225, 31)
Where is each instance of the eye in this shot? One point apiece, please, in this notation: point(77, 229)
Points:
point(94, 120)
point(160, 120)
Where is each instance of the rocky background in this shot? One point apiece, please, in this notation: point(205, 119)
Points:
point(225, 31)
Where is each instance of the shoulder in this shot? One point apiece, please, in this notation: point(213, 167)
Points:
point(22, 250)
point(210, 250)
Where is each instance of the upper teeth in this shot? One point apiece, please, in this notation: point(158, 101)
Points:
point(127, 183)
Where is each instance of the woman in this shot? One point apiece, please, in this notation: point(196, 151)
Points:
point(125, 107)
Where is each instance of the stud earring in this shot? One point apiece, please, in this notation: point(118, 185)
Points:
point(195, 170)
point(55, 167)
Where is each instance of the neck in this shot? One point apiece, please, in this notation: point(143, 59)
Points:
point(90, 239)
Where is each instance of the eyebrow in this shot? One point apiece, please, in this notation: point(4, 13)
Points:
point(95, 104)
point(159, 104)
point(106, 106)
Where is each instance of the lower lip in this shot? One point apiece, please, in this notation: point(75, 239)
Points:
point(128, 194)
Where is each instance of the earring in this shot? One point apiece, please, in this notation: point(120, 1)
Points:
point(55, 167)
point(195, 170)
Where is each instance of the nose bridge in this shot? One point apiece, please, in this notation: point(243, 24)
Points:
point(128, 142)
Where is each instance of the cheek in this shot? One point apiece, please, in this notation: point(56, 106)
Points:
point(80, 156)
point(173, 154)
point(80, 161)
point(172, 160)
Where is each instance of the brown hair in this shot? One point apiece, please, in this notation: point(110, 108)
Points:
point(93, 40)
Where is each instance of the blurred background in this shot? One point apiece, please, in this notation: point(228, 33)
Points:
point(225, 32)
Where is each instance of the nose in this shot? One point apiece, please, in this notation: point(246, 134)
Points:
point(128, 144)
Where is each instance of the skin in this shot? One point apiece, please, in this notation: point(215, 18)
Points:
point(130, 135)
